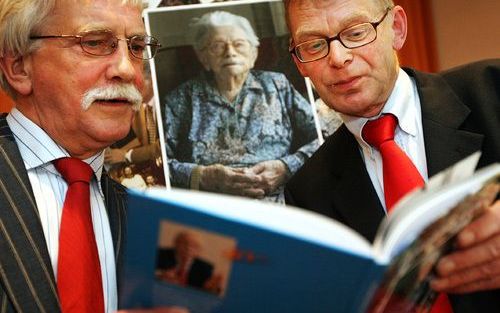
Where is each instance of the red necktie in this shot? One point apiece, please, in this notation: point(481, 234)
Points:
point(400, 174)
point(79, 281)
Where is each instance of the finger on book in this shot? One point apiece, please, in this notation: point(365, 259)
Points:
point(444, 285)
point(475, 276)
point(482, 228)
point(485, 252)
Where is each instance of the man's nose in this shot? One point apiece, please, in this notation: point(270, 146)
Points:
point(339, 55)
point(123, 67)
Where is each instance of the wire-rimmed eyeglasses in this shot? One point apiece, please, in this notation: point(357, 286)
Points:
point(352, 37)
point(102, 43)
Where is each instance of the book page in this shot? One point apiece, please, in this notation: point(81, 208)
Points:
point(420, 208)
point(406, 284)
point(423, 228)
point(291, 221)
point(213, 253)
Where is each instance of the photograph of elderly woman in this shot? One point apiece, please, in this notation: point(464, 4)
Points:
point(235, 117)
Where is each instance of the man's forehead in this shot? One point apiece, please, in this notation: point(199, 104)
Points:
point(322, 4)
point(81, 6)
point(329, 13)
point(87, 15)
point(305, 4)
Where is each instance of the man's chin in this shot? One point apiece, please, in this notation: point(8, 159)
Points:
point(110, 136)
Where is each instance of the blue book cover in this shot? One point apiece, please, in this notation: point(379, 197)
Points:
point(214, 253)
point(262, 258)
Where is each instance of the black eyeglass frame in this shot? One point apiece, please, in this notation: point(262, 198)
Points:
point(293, 50)
point(154, 43)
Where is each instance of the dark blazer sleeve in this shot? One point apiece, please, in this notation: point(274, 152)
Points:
point(477, 86)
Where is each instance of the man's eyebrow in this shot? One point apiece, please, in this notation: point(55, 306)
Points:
point(93, 28)
point(104, 28)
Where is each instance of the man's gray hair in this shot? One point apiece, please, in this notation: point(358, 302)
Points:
point(20, 19)
point(203, 25)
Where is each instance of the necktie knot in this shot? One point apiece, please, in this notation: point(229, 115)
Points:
point(74, 170)
point(381, 130)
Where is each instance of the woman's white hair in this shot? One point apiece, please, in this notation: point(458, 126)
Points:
point(20, 19)
point(203, 25)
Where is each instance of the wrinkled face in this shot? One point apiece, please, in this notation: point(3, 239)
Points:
point(62, 73)
point(228, 52)
point(357, 81)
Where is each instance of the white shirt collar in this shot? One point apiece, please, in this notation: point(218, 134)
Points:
point(37, 147)
point(400, 103)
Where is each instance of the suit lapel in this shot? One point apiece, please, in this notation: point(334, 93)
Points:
point(25, 268)
point(442, 115)
point(362, 213)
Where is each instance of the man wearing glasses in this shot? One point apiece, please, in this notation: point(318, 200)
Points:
point(348, 49)
point(74, 69)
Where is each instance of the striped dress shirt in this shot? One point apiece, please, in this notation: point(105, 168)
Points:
point(38, 151)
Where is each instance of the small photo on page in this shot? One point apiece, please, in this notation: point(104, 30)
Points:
point(193, 258)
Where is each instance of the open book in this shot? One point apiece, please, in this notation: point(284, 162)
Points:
point(249, 256)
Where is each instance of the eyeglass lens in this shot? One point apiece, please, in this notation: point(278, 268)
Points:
point(105, 43)
point(353, 37)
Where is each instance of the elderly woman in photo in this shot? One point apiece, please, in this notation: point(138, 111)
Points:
point(233, 129)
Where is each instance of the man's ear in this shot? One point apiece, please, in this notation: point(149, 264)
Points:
point(400, 27)
point(17, 72)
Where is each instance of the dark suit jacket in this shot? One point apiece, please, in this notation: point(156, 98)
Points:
point(460, 115)
point(27, 281)
point(199, 272)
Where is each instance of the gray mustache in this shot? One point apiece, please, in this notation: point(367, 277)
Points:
point(122, 91)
